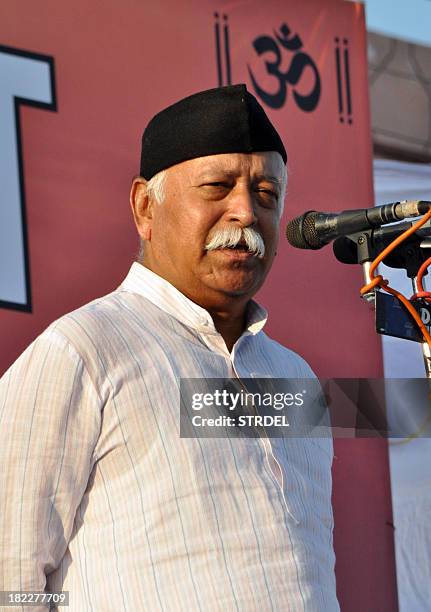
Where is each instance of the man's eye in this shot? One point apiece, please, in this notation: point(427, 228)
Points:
point(216, 188)
point(267, 191)
point(268, 198)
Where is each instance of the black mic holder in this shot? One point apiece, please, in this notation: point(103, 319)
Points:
point(363, 247)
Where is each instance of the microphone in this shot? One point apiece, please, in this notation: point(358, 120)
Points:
point(313, 229)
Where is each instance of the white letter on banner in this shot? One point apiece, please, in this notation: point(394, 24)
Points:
point(27, 79)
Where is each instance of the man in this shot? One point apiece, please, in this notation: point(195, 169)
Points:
point(101, 497)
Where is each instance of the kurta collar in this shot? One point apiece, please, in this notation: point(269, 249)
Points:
point(165, 296)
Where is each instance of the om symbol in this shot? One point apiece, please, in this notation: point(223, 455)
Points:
point(300, 61)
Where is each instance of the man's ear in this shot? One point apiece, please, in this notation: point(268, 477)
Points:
point(141, 207)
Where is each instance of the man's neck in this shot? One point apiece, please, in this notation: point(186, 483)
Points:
point(229, 315)
point(230, 325)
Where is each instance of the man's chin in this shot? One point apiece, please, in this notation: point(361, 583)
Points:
point(238, 285)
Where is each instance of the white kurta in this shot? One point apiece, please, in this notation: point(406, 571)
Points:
point(101, 497)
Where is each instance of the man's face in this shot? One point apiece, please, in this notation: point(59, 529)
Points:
point(205, 195)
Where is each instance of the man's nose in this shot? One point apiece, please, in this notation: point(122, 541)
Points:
point(242, 206)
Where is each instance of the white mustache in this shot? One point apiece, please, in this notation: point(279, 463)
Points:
point(231, 236)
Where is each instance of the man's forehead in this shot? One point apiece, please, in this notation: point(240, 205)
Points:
point(266, 163)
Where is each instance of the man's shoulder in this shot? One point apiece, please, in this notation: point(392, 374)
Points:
point(98, 334)
point(100, 327)
point(88, 320)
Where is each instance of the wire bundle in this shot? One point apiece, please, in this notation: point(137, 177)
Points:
point(379, 281)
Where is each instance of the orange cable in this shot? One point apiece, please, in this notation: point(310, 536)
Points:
point(421, 272)
point(421, 293)
point(379, 281)
point(426, 295)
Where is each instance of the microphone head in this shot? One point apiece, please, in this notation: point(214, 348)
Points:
point(301, 232)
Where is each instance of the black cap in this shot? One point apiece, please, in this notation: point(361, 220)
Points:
point(221, 120)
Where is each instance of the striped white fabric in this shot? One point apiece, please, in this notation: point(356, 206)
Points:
point(99, 495)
